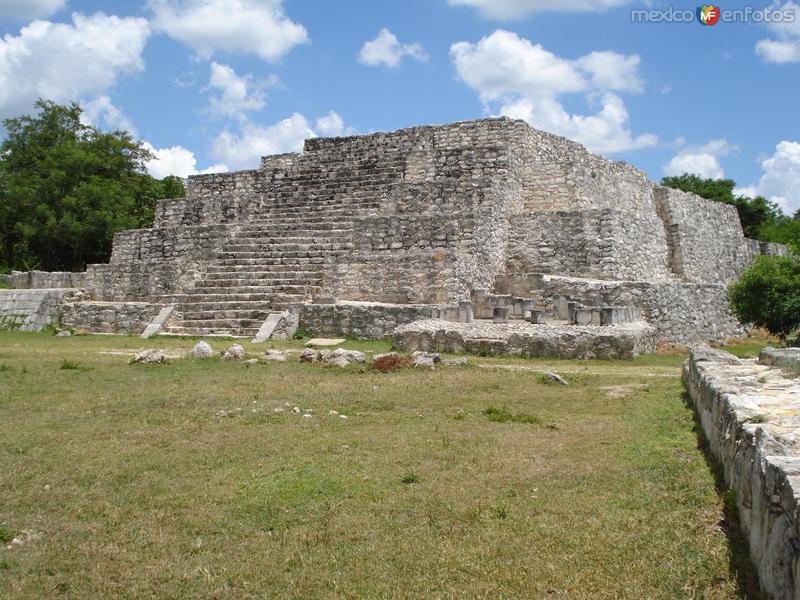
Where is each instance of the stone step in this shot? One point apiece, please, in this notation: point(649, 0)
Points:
point(232, 314)
point(243, 332)
point(253, 246)
point(234, 296)
point(251, 305)
point(279, 278)
point(285, 257)
point(292, 263)
point(247, 286)
point(276, 270)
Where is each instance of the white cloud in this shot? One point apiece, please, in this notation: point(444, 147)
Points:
point(332, 125)
point(781, 179)
point(30, 9)
point(177, 161)
point(523, 80)
point(103, 113)
point(701, 160)
point(61, 61)
point(246, 26)
point(786, 48)
point(517, 9)
point(387, 50)
point(245, 149)
point(235, 94)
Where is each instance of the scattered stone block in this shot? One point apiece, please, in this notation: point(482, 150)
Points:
point(309, 355)
point(201, 350)
point(158, 323)
point(556, 378)
point(276, 355)
point(149, 356)
point(235, 352)
point(321, 342)
point(455, 362)
point(537, 317)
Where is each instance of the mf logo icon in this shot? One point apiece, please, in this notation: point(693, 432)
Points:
point(708, 14)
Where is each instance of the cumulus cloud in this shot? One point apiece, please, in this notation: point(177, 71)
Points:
point(523, 80)
point(61, 61)
point(244, 148)
point(257, 27)
point(177, 161)
point(103, 113)
point(332, 125)
point(233, 95)
point(517, 9)
point(701, 160)
point(781, 179)
point(30, 9)
point(786, 48)
point(387, 50)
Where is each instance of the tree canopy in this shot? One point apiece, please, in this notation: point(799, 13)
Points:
point(67, 187)
point(768, 295)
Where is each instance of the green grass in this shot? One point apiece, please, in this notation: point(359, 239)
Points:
point(503, 415)
point(140, 487)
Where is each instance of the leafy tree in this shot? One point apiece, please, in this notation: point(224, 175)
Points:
point(66, 188)
point(768, 295)
point(754, 213)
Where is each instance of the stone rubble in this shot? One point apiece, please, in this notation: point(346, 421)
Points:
point(235, 352)
point(201, 350)
point(149, 356)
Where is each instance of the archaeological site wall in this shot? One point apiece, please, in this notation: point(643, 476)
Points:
point(422, 217)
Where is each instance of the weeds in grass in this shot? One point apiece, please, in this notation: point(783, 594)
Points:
point(500, 512)
point(390, 362)
point(5, 535)
point(759, 419)
point(410, 477)
point(503, 415)
point(71, 365)
point(4, 368)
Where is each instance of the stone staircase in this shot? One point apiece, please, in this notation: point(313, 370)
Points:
point(276, 259)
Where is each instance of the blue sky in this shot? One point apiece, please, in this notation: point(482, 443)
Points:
point(213, 84)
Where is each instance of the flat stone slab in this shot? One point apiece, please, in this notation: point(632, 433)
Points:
point(520, 338)
point(325, 342)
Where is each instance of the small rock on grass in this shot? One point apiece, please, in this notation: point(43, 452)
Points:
point(149, 356)
point(276, 355)
point(555, 378)
point(235, 352)
point(202, 350)
point(309, 355)
point(454, 362)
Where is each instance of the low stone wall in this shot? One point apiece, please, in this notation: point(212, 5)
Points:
point(749, 414)
point(524, 339)
point(29, 310)
point(682, 313)
point(367, 320)
point(40, 280)
point(109, 317)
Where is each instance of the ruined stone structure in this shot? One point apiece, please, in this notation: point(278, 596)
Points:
point(749, 411)
point(359, 235)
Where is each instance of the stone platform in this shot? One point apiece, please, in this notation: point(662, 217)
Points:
point(520, 338)
point(750, 414)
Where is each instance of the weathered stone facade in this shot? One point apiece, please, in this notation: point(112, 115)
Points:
point(420, 218)
point(749, 410)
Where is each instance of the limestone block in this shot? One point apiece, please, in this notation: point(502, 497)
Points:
point(500, 314)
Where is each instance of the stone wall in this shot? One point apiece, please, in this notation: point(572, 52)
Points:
point(39, 280)
point(707, 242)
point(147, 264)
point(749, 417)
point(682, 313)
point(366, 320)
point(29, 310)
point(109, 317)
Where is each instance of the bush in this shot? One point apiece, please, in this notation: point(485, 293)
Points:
point(390, 362)
point(768, 295)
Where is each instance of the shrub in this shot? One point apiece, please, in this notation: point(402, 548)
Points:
point(390, 362)
point(768, 295)
point(69, 365)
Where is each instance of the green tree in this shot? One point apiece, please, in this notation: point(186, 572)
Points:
point(66, 188)
point(768, 295)
point(754, 213)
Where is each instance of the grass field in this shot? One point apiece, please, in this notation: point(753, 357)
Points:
point(183, 481)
